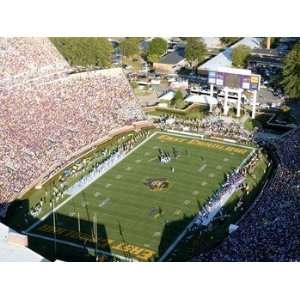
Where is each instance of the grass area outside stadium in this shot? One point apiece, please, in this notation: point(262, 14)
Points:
point(189, 113)
point(129, 214)
point(268, 120)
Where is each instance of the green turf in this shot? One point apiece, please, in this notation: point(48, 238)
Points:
point(133, 220)
point(184, 114)
point(18, 216)
point(201, 243)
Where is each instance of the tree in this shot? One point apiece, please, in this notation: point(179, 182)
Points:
point(130, 46)
point(153, 57)
point(195, 51)
point(178, 99)
point(240, 55)
point(291, 72)
point(157, 48)
point(228, 40)
point(178, 95)
point(85, 51)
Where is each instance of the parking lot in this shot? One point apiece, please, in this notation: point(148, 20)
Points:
point(266, 97)
point(269, 96)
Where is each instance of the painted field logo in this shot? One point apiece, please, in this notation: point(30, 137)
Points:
point(157, 184)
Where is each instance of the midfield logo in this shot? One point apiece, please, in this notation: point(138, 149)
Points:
point(157, 184)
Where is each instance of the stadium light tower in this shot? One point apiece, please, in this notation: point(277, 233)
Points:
point(268, 42)
point(254, 104)
point(226, 108)
point(238, 109)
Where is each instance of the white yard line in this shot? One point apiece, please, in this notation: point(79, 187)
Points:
point(246, 158)
point(182, 134)
point(183, 233)
point(178, 239)
point(212, 215)
point(85, 186)
point(80, 246)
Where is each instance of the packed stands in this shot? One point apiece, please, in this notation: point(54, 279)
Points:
point(24, 58)
point(214, 126)
point(45, 120)
point(270, 231)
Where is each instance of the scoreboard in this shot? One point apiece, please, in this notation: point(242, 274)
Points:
point(234, 80)
point(255, 82)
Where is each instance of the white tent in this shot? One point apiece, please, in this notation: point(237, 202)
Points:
point(168, 96)
point(201, 99)
point(182, 84)
point(170, 121)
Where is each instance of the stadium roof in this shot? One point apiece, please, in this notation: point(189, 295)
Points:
point(201, 99)
point(174, 57)
point(223, 59)
point(13, 252)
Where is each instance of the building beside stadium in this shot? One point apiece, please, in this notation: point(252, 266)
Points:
point(223, 59)
point(171, 62)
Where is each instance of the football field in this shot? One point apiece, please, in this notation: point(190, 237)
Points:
point(139, 207)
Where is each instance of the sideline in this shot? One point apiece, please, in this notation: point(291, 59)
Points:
point(179, 237)
point(26, 231)
point(218, 205)
point(202, 136)
point(184, 232)
point(81, 247)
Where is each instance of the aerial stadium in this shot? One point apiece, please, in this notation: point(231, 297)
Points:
point(87, 175)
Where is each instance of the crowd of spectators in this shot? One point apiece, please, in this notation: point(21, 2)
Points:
point(289, 149)
point(232, 183)
point(83, 172)
point(3, 209)
point(45, 121)
point(24, 58)
point(270, 231)
point(214, 126)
